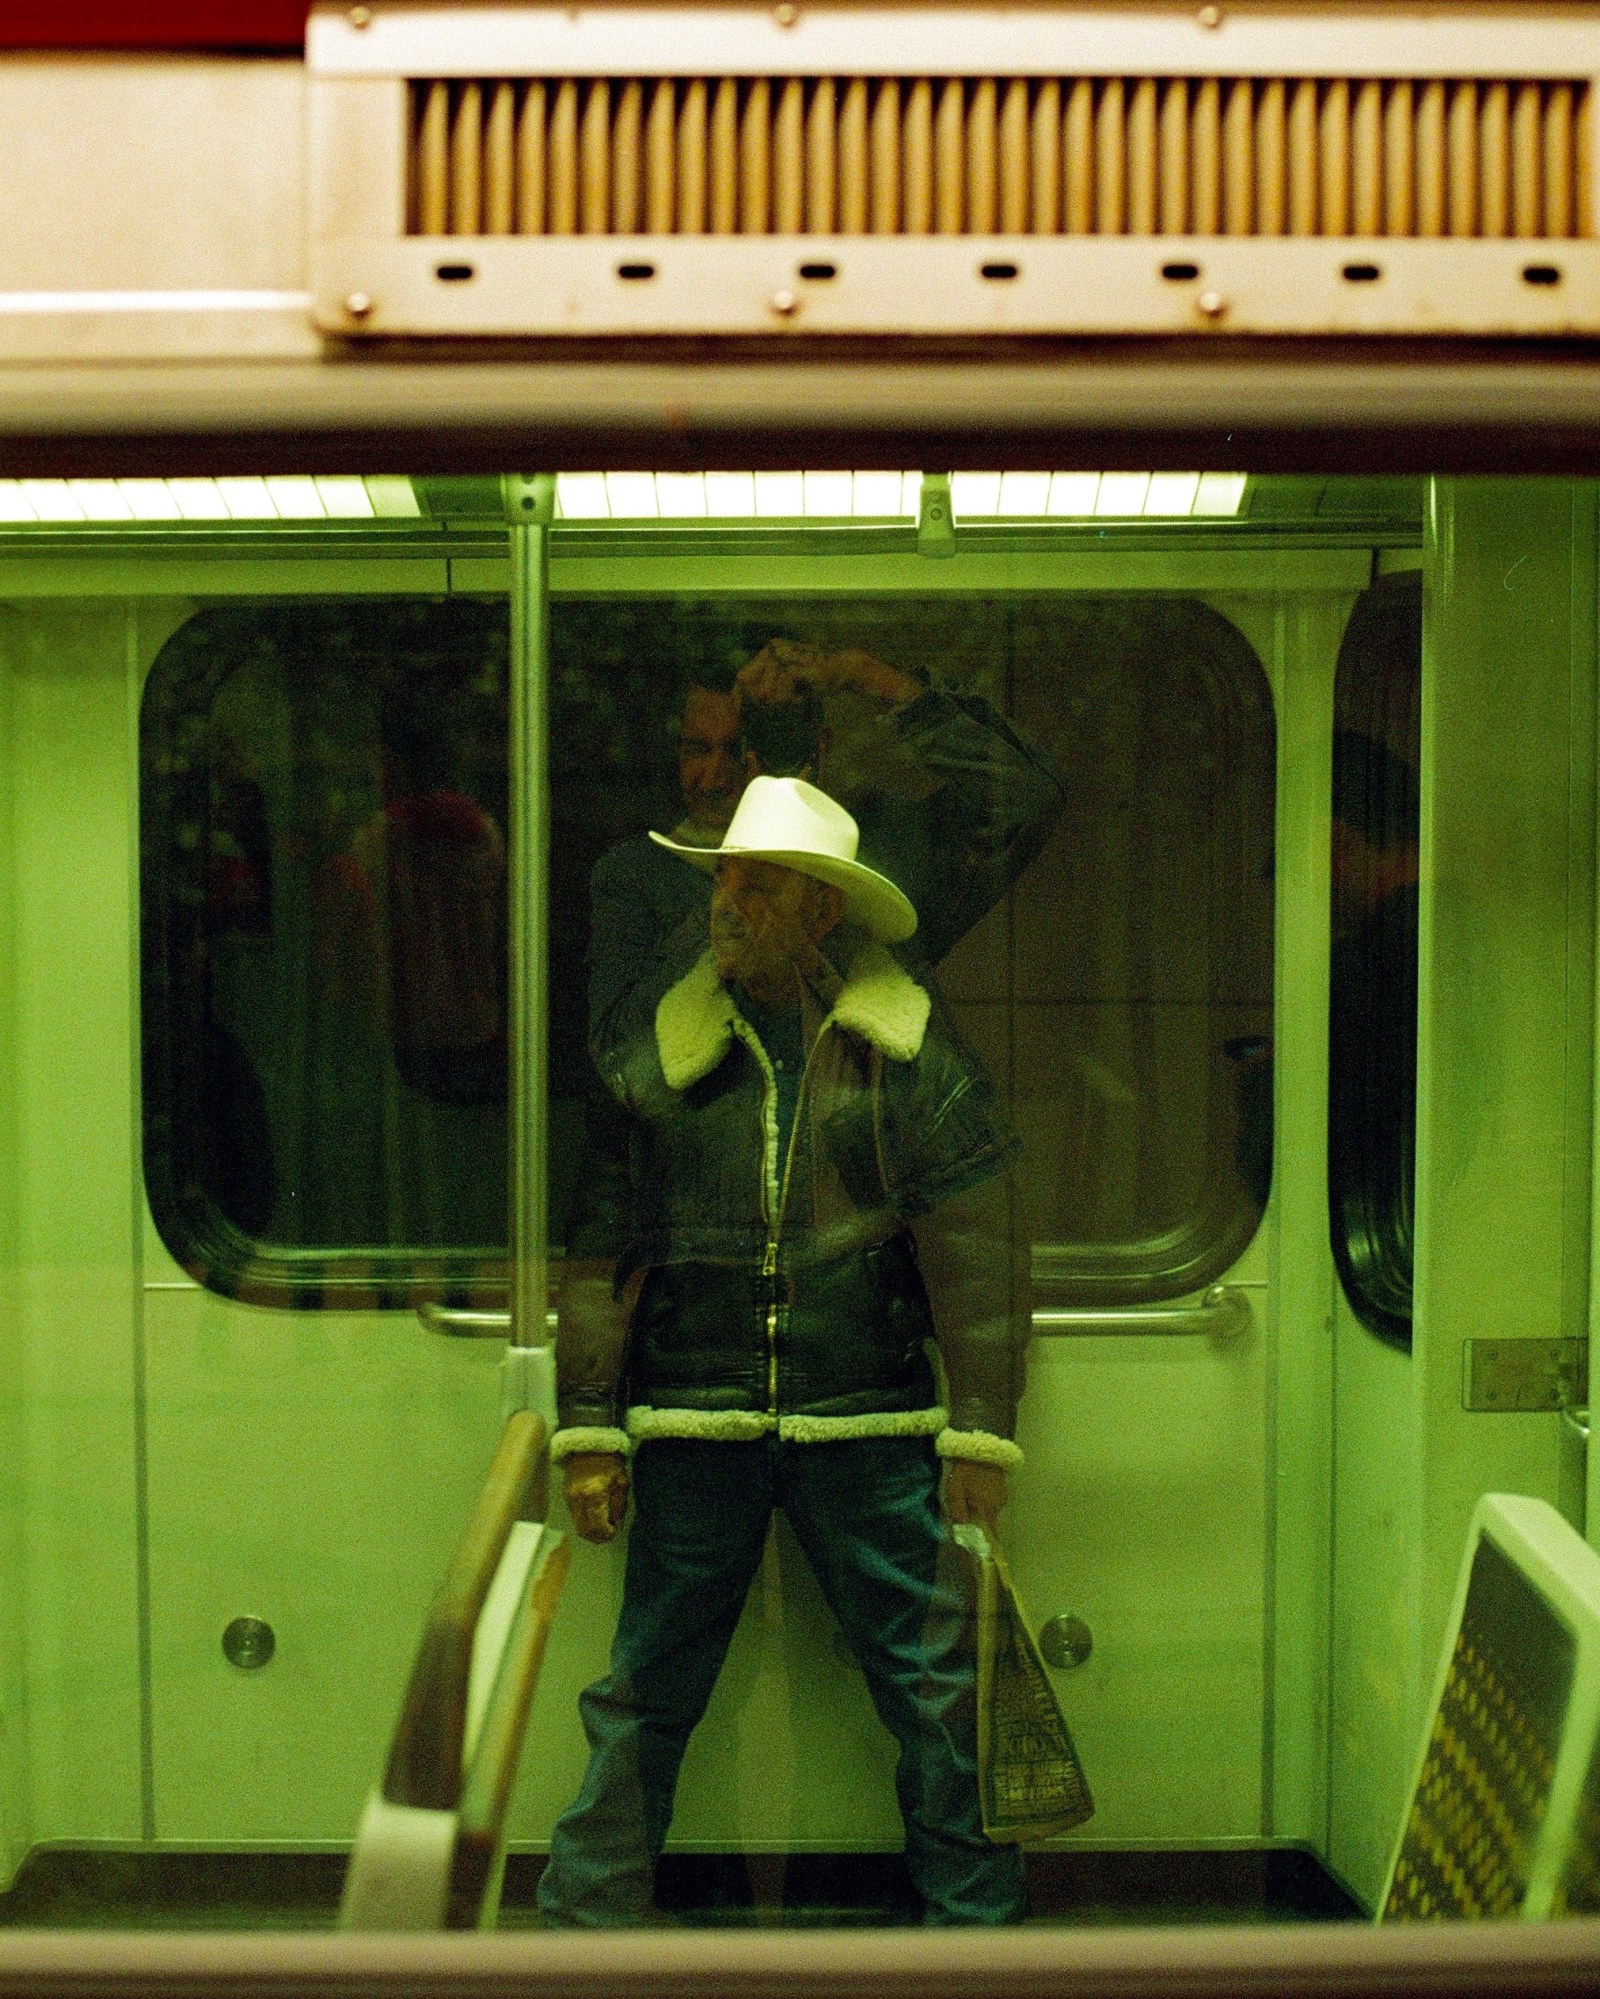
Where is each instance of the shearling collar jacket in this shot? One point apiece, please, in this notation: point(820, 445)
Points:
point(782, 1291)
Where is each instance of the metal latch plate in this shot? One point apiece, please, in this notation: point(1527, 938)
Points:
point(1524, 1375)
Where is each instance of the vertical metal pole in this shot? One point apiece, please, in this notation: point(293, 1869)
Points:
point(530, 508)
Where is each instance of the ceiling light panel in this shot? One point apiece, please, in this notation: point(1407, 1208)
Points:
point(101, 499)
point(1219, 494)
point(693, 496)
point(51, 500)
point(109, 502)
point(1072, 494)
point(1122, 494)
point(676, 497)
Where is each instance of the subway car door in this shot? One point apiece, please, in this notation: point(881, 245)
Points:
point(1151, 997)
point(321, 982)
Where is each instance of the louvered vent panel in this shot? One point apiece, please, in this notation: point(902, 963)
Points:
point(915, 156)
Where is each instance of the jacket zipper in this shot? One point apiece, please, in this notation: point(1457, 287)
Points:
point(769, 1260)
point(769, 1270)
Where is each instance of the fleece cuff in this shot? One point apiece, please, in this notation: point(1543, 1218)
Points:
point(742, 1426)
point(587, 1437)
point(978, 1447)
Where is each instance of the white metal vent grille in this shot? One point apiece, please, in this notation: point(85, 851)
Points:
point(983, 156)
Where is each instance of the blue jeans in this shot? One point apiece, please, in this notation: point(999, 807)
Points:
point(866, 1512)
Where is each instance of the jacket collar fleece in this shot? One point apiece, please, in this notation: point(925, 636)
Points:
point(879, 1001)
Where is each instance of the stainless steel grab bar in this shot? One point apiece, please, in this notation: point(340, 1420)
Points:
point(461, 1322)
point(1222, 1314)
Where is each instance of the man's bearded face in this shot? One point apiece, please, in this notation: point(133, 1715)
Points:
point(766, 921)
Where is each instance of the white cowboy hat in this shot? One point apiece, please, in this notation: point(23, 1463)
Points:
point(794, 825)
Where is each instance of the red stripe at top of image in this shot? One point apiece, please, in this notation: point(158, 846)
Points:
point(153, 24)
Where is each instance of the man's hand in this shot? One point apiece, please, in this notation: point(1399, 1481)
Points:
point(974, 1493)
point(596, 1491)
point(784, 666)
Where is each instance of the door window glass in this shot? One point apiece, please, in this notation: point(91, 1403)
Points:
point(1372, 1064)
point(324, 791)
point(324, 918)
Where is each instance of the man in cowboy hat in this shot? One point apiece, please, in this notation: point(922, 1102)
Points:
point(797, 1100)
point(985, 798)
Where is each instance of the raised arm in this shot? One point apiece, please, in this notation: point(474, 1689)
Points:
point(995, 802)
point(989, 798)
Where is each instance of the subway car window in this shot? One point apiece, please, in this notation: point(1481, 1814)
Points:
point(323, 949)
point(1372, 1056)
point(324, 799)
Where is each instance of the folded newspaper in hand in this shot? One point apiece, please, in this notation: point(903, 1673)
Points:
point(1030, 1780)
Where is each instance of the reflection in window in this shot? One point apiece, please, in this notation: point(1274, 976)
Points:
point(324, 794)
point(1373, 1005)
point(324, 798)
point(1120, 994)
point(1139, 950)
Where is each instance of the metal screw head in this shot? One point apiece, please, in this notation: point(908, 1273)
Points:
point(1212, 304)
point(358, 304)
point(786, 15)
point(1210, 17)
point(1065, 1642)
point(785, 304)
point(248, 1643)
point(360, 17)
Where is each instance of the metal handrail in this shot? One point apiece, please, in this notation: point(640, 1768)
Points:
point(1304, 1960)
point(488, 1784)
point(1222, 1314)
point(466, 1322)
point(425, 1759)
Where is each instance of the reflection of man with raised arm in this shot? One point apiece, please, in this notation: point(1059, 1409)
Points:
point(986, 802)
point(796, 1100)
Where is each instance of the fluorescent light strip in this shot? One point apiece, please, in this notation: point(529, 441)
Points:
point(884, 496)
point(780, 496)
point(737, 496)
point(893, 496)
point(829, 496)
point(639, 496)
point(1024, 493)
point(199, 499)
point(149, 499)
point(974, 495)
point(391, 495)
point(51, 500)
point(1220, 494)
point(344, 499)
point(1072, 494)
point(731, 496)
point(247, 499)
point(1096, 495)
point(631, 496)
point(1122, 494)
point(681, 496)
point(101, 499)
point(1172, 493)
point(298, 497)
point(581, 496)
